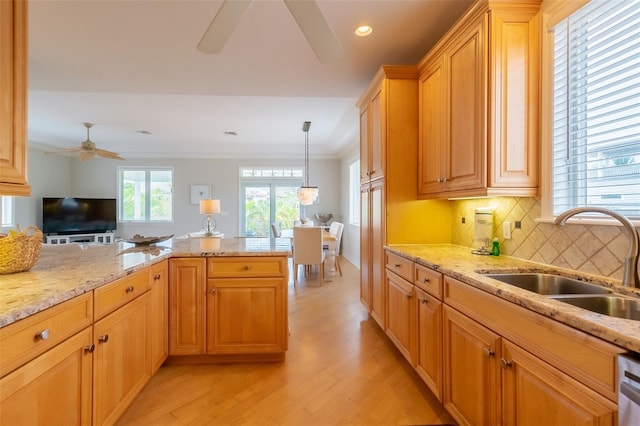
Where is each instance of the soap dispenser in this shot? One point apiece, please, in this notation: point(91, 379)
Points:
point(495, 248)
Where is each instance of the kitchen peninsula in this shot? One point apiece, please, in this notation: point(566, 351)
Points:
point(89, 324)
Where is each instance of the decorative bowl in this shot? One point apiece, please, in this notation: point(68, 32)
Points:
point(324, 217)
point(142, 240)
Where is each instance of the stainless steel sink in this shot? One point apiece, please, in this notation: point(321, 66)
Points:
point(549, 284)
point(612, 305)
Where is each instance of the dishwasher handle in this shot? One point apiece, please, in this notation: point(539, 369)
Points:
point(630, 392)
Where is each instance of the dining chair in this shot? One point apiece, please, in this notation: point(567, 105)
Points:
point(333, 247)
point(307, 250)
point(275, 228)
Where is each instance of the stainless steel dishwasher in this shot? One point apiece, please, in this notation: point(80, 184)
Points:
point(628, 390)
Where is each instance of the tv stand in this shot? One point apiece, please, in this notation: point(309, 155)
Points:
point(104, 238)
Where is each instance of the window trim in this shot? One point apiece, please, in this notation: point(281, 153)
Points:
point(552, 13)
point(121, 169)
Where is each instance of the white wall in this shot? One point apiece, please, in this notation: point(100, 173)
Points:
point(64, 176)
point(351, 233)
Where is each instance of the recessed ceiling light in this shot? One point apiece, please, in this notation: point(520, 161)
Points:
point(231, 133)
point(363, 30)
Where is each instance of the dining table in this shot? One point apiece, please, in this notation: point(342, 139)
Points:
point(326, 235)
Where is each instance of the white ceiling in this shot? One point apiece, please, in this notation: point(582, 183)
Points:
point(130, 65)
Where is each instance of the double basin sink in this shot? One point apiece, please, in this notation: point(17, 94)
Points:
point(574, 292)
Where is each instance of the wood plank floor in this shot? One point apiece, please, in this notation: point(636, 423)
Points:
point(340, 369)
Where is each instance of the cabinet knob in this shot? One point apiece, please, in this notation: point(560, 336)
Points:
point(89, 348)
point(488, 352)
point(246, 267)
point(42, 335)
point(409, 295)
point(423, 301)
point(438, 180)
point(213, 291)
point(397, 265)
point(129, 289)
point(425, 280)
point(505, 363)
point(103, 339)
point(156, 277)
point(444, 179)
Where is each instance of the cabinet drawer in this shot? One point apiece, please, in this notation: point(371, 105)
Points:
point(400, 266)
point(22, 341)
point(429, 280)
point(249, 266)
point(110, 297)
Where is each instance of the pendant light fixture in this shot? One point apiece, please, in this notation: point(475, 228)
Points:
point(307, 194)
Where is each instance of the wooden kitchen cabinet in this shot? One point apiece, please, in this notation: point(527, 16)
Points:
point(187, 306)
point(534, 393)
point(53, 388)
point(122, 358)
point(372, 149)
point(472, 391)
point(478, 96)
point(247, 305)
point(429, 307)
point(401, 315)
point(159, 276)
point(13, 98)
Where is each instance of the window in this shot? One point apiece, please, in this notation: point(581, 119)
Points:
point(7, 214)
point(354, 192)
point(145, 194)
point(596, 108)
point(268, 195)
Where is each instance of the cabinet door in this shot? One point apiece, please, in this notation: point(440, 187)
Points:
point(529, 384)
point(471, 373)
point(13, 98)
point(429, 345)
point(364, 144)
point(122, 359)
point(433, 136)
point(54, 388)
point(401, 318)
point(159, 314)
point(187, 311)
point(466, 156)
point(246, 315)
point(377, 129)
point(376, 243)
point(365, 247)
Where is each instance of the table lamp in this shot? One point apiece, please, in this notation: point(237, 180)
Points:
point(209, 207)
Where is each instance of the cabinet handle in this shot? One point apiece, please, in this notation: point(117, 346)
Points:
point(438, 180)
point(444, 180)
point(397, 265)
point(425, 280)
point(129, 289)
point(424, 301)
point(103, 339)
point(488, 352)
point(90, 348)
point(409, 295)
point(213, 291)
point(42, 335)
point(246, 267)
point(156, 277)
point(505, 363)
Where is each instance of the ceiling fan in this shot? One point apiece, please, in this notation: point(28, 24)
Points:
point(87, 150)
point(307, 14)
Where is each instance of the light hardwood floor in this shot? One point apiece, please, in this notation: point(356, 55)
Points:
point(340, 369)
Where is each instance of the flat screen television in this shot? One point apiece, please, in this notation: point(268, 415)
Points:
point(67, 216)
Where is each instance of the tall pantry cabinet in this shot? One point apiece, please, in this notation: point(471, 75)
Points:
point(390, 212)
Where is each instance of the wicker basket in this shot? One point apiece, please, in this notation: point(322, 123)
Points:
point(19, 251)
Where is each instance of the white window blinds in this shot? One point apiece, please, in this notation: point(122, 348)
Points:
point(596, 118)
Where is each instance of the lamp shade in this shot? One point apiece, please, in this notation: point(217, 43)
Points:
point(307, 195)
point(209, 206)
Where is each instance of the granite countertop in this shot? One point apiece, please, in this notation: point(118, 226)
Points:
point(68, 270)
point(458, 262)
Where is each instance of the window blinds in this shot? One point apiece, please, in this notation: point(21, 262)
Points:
point(596, 117)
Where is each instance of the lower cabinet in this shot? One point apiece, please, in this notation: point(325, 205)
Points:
point(122, 358)
point(159, 276)
point(54, 388)
point(231, 307)
point(401, 319)
point(429, 344)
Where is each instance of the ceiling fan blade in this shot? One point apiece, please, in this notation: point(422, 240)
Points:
point(222, 25)
point(108, 154)
point(316, 29)
point(62, 151)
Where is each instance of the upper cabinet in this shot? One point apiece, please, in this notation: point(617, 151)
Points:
point(478, 105)
point(13, 98)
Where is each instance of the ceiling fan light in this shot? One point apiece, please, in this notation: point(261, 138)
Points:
point(363, 30)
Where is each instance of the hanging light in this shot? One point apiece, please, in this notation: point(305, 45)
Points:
point(307, 194)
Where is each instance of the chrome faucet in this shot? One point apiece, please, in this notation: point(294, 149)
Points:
point(630, 278)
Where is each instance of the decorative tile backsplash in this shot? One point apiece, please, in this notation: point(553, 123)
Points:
point(595, 249)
